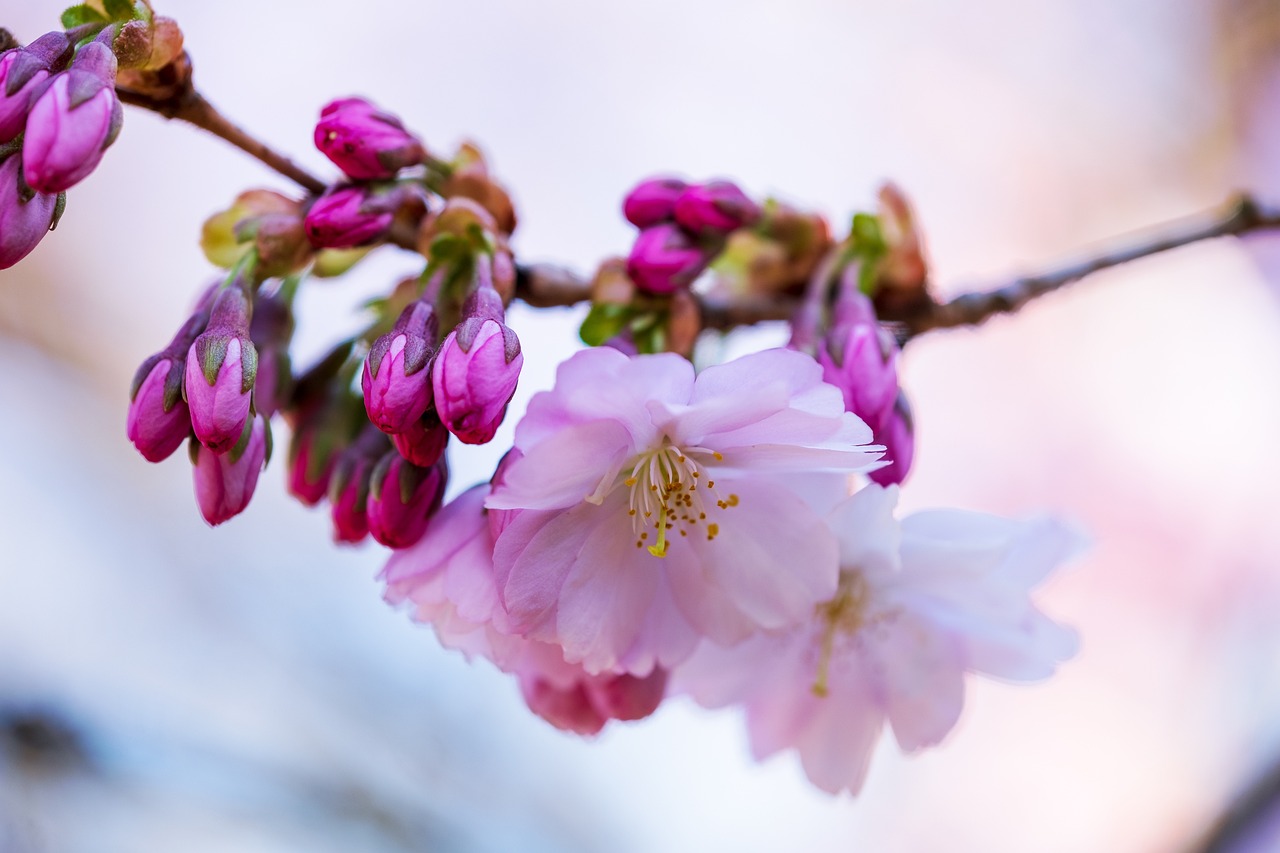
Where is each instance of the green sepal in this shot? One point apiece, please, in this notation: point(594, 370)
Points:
point(334, 262)
point(268, 441)
point(173, 385)
point(410, 479)
point(649, 332)
point(78, 16)
point(59, 208)
point(867, 244)
point(120, 10)
point(193, 449)
point(248, 365)
point(604, 321)
point(242, 443)
point(211, 352)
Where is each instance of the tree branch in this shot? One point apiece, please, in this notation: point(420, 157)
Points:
point(544, 285)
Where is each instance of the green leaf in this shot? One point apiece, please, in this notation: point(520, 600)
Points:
point(79, 15)
point(119, 10)
point(604, 321)
point(649, 331)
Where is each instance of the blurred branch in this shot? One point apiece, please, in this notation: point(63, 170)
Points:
point(544, 285)
point(1254, 806)
point(1240, 216)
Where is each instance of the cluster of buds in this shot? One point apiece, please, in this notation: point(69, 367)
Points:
point(58, 113)
point(683, 227)
point(371, 147)
point(201, 387)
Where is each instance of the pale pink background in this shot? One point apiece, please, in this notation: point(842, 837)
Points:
point(228, 676)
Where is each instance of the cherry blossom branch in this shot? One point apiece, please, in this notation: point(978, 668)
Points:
point(544, 285)
point(1239, 216)
point(174, 97)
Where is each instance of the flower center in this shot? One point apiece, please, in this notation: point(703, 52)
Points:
point(845, 614)
point(667, 488)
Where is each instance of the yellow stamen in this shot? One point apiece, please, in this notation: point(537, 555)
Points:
point(660, 549)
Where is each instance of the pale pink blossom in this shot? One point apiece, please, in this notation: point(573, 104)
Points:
point(648, 517)
point(918, 605)
point(447, 579)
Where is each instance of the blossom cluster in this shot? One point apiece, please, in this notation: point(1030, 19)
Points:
point(438, 361)
point(656, 532)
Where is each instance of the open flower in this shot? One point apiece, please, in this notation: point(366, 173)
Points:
point(650, 516)
point(918, 605)
point(448, 579)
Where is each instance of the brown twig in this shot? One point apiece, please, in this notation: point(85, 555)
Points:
point(544, 286)
point(1250, 810)
point(172, 95)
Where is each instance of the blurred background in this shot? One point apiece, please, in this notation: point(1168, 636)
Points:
point(164, 686)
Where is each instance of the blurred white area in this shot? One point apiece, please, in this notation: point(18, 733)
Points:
point(246, 689)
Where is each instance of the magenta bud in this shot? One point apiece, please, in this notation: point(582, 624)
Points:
point(365, 142)
point(583, 706)
point(222, 365)
point(860, 357)
point(25, 216)
point(474, 378)
point(225, 483)
point(350, 216)
point(311, 464)
point(396, 383)
point(402, 499)
point(653, 201)
point(715, 208)
point(897, 433)
point(22, 71)
point(664, 259)
point(349, 485)
point(158, 420)
point(271, 330)
point(72, 121)
point(424, 442)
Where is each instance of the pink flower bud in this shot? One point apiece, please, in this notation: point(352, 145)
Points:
point(397, 388)
point(22, 71)
point(72, 121)
point(222, 365)
point(25, 216)
point(585, 705)
point(860, 357)
point(402, 498)
point(897, 434)
point(349, 486)
point(653, 201)
point(424, 442)
point(474, 378)
point(364, 142)
point(350, 216)
point(715, 208)
point(158, 419)
point(225, 483)
point(311, 463)
point(271, 330)
point(665, 258)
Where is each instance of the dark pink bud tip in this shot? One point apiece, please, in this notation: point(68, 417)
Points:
point(402, 499)
point(653, 201)
point(346, 217)
point(225, 483)
point(474, 386)
point(364, 142)
point(665, 259)
point(716, 208)
point(158, 420)
point(24, 217)
point(72, 121)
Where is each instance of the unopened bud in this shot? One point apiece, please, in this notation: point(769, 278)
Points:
point(25, 216)
point(350, 216)
point(897, 434)
point(402, 499)
point(397, 387)
point(476, 370)
point(222, 365)
point(665, 258)
point(424, 442)
point(225, 482)
point(22, 71)
point(349, 485)
point(158, 420)
point(72, 121)
point(715, 208)
point(365, 142)
point(653, 201)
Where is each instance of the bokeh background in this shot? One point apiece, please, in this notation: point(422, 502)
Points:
point(171, 687)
